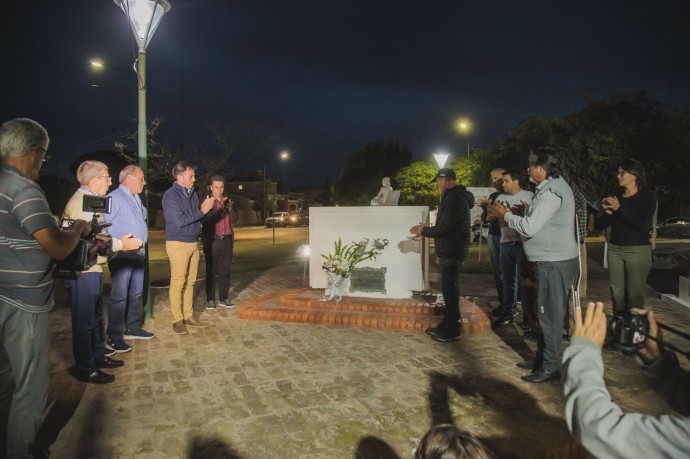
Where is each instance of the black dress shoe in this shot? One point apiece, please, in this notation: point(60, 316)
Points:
point(527, 365)
point(541, 376)
point(42, 454)
point(98, 377)
point(435, 330)
point(448, 335)
point(110, 363)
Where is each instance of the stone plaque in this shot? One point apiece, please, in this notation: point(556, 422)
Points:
point(370, 280)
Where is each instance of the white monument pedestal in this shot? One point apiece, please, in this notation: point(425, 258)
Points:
point(404, 260)
point(683, 298)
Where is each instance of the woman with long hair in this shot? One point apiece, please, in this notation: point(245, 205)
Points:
point(629, 215)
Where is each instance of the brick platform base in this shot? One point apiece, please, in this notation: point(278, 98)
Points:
point(412, 314)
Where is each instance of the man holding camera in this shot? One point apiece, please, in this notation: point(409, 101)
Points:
point(29, 242)
point(599, 424)
point(127, 216)
point(217, 237)
point(88, 323)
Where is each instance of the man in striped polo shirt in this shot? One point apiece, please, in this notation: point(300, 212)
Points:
point(29, 242)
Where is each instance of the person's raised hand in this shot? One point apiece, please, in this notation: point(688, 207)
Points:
point(496, 210)
point(593, 326)
point(651, 350)
point(207, 204)
point(417, 229)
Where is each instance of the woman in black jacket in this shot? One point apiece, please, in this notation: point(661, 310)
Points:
point(629, 214)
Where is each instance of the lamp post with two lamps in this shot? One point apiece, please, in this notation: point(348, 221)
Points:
point(144, 16)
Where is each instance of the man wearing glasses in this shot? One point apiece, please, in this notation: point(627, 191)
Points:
point(88, 322)
point(29, 242)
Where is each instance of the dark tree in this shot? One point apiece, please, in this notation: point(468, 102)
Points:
point(360, 178)
point(593, 141)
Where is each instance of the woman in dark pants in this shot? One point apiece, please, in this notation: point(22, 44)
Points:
point(629, 215)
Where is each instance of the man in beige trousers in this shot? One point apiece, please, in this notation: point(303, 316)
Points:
point(183, 215)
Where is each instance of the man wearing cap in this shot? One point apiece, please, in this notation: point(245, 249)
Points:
point(452, 238)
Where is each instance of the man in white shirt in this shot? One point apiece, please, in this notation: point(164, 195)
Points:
point(511, 253)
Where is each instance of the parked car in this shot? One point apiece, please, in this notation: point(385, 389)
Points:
point(674, 227)
point(278, 219)
point(298, 218)
point(478, 231)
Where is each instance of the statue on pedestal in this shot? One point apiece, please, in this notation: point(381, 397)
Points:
point(387, 195)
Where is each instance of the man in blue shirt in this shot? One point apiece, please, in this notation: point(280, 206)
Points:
point(127, 216)
point(183, 215)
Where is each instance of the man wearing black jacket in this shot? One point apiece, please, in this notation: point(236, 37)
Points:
point(452, 238)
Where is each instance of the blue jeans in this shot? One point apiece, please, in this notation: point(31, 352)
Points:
point(88, 324)
point(511, 255)
point(555, 280)
point(127, 276)
point(450, 287)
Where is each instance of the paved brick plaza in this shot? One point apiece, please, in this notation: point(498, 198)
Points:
point(262, 389)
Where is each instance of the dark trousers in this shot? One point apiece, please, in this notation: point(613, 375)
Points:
point(511, 256)
point(124, 310)
point(628, 270)
point(88, 324)
point(24, 376)
point(555, 280)
point(494, 244)
point(218, 254)
point(450, 287)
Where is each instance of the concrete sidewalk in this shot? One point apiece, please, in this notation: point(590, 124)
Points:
point(257, 389)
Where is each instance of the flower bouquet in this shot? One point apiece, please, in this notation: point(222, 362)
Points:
point(345, 257)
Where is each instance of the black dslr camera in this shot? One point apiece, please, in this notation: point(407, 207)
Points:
point(627, 332)
point(85, 255)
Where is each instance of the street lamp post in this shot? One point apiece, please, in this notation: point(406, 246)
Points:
point(284, 156)
point(144, 16)
point(464, 127)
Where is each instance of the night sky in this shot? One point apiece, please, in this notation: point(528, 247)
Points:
point(323, 78)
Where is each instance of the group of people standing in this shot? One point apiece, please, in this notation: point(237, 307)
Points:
point(126, 224)
point(536, 240)
point(184, 215)
point(552, 240)
point(30, 242)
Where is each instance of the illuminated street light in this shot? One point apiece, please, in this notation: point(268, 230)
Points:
point(98, 65)
point(441, 157)
point(284, 156)
point(464, 126)
point(144, 16)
